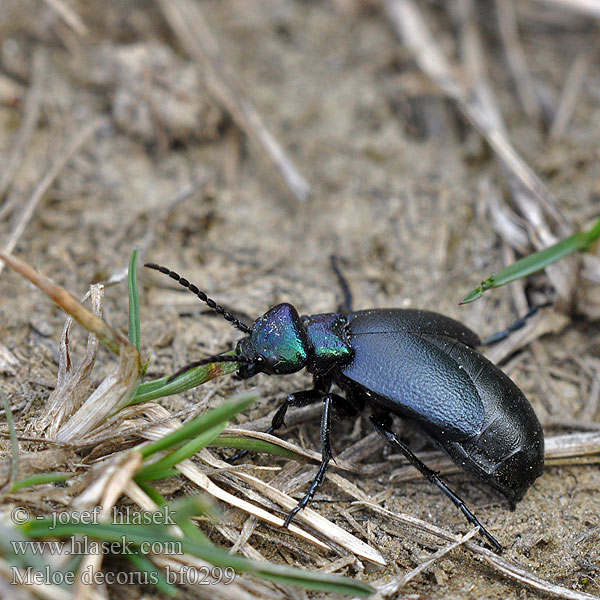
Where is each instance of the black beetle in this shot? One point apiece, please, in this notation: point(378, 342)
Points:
point(416, 364)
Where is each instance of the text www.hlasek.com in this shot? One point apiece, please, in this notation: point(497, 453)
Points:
point(85, 545)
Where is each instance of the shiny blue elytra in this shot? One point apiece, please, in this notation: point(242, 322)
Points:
point(418, 365)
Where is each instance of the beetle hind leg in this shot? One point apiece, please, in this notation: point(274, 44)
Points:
point(433, 477)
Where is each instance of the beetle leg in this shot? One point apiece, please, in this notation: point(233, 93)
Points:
point(501, 335)
point(354, 401)
point(302, 398)
point(344, 408)
point(325, 458)
point(346, 306)
point(433, 477)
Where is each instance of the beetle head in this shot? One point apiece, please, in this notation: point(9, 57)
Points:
point(277, 344)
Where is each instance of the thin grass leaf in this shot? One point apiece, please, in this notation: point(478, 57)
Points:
point(16, 548)
point(186, 451)
point(134, 302)
point(52, 477)
point(537, 261)
point(191, 506)
point(14, 442)
point(156, 475)
point(141, 563)
point(182, 510)
point(199, 425)
point(190, 530)
point(142, 536)
point(162, 387)
point(155, 496)
point(253, 445)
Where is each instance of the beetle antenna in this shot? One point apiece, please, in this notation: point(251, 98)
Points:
point(211, 303)
point(210, 359)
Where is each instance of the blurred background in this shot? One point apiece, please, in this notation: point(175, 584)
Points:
point(241, 143)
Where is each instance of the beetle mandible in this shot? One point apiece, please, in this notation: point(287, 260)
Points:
point(418, 365)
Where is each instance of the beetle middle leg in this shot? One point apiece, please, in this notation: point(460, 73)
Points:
point(433, 477)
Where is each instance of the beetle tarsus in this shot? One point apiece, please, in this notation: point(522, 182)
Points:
point(433, 477)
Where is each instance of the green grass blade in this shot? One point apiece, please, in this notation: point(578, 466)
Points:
point(52, 477)
point(186, 451)
point(253, 445)
point(14, 442)
point(159, 388)
point(199, 425)
point(134, 302)
point(154, 575)
point(192, 506)
point(155, 496)
point(537, 261)
point(156, 475)
point(17, 550)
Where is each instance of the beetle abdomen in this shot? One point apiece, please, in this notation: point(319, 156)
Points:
point(508, 452)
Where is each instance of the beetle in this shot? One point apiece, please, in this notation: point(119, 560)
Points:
point(415, 364)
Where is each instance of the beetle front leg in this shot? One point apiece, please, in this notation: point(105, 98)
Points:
point(325, 458)
point(433, 477)
point(297, 399)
